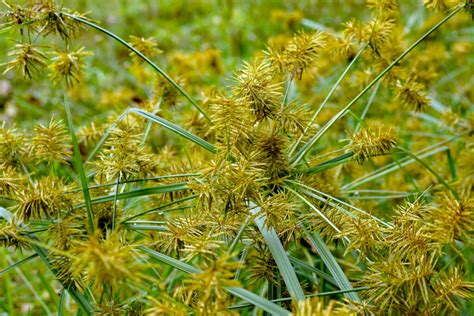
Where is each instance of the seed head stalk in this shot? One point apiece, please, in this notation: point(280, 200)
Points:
point(142, 56)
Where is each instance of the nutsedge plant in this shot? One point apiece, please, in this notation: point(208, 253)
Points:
point(329, 174)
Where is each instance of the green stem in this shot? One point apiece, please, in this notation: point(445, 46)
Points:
point(79, 166)
point(307, 147)
point(146, 59)
point(440, 179)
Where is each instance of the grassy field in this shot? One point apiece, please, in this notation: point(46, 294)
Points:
point(226, 157)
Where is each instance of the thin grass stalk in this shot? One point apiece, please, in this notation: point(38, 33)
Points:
point(146, 59)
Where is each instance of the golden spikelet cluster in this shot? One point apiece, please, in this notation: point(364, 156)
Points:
point(257, 90)
point(146, 46)
point(104, 262)
point(11, 235)
point(210, 286)
point(68, 66)
point(12, 148)
point(316, 307)
point(245, 199)
point(302, 52)
point(45, 198)
point(372, 141)
point(412, 95)
point(125, 156)
point(27, 59)
point(51, 142)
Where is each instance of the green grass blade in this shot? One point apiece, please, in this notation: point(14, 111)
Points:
point(141, 192)
point(61, 302)
point(146, 59)
point(17, 264)
point(77, 161)
point(329, 164)
point(280, 256)
point(333, 266)
point(310, 268)
point(424, 164)
point(250, 297)
point(176, 129)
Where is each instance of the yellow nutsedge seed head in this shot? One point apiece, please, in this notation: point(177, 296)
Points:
point(46, 197)
point(412, 94)
point(255, 89)
point(384, 6)
point(104, 262)
point(12, 145)
point(373, 141)
point(51, 142)
point(10, 180)
point(378, 33)
point(68, 66)
point(316, 307)
point(449, 288)
point(452, 219)
point(27, 58)
point(147, 46)
point(302, 51)
point(11, 235)
point(442, 5)
point(52, 20)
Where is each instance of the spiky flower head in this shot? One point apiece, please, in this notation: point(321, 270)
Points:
point(450, 287)
point(68, 66)
point(11, 235)
point(256, 90)
point(383, 7)
point(147, 46)
point(44, 198)
point(442, 5)
point(396, 286)
point(51, 142)
point(105, 261)
point(452, 219)
point(125, 156)
point(179, 231)
point(53, 20)
point(210, 286)
point(279, 213)
point(412, 94)
point(10, 180)
point(12, 145)
point(316, 307)
point(365, 236)
point(271, 151)
point(27, 59)
point(302, 51)
point(372, 141)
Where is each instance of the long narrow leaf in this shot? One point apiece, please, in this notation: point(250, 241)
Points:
point(17, 264)
point(77, 160)
point(142, 192)
point(175, 128)
point(333, 266)
point(280, 256)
